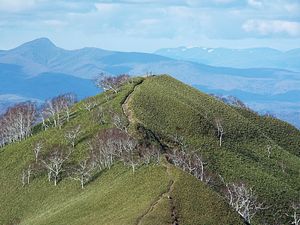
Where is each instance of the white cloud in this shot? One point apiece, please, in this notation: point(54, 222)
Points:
point(55, 23)
point(106, 7)
point(16, 5)
point(269, 27)
point(255, 3)
point(293, 8)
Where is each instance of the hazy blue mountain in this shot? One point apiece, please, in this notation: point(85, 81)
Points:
point(17, 86)
point(238, 58)
point(41, 55)
point(39, 69)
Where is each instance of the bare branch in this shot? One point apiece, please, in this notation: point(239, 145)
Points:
point(111, 82)
point(54, 163)
point(243, 200)
point(220, 129)
point(72, 135)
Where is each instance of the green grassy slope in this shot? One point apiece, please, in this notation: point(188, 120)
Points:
point(116, 196)
point(166, 106)
point(284, 134)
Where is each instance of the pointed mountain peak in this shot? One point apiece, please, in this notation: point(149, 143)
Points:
point(40, 42)
point(39, 50)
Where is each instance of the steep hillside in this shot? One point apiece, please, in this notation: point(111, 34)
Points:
point(167, 108)
point(154, 194)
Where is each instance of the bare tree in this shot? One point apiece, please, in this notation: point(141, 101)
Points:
point(82, 172)
point(295, 216)
point(23, 177)
point(149, 154)
point(269, 148)
point(89, 104)
point(57, 109)
point(119, 121)
point(111, 82)
point(99, 116)
point(16, 123)
point(37, 149)
point(106, 147)
point(29, 173)
point(26, 175)
point(191, 163)
point(114, 144)
point(282, 166)
point(243, 200)
point(220, 129)
point(72, 135)
point(180, 141)
point(67, 101)
point(54, 163)
point(130, 156)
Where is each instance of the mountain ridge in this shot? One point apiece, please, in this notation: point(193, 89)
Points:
point(87, 63)
point(163, 111)
point(237, 58)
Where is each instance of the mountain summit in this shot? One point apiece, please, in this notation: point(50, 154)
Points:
point(41, 43)
point(152, 151)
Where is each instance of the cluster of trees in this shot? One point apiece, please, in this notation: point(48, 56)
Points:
point(105, 149)
point(241, 198)
point(113, 83)
point(56, 111)
point(231, 100)
point(16, 123)
point(116, 145)
point(191, 163)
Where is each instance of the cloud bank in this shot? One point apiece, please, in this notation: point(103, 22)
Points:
point(150, 24)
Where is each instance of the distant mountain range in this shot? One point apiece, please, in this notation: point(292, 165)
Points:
point(237, 58)
point(39, 70)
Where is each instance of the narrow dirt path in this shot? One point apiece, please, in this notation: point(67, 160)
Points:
point(125, 105)
point(167, 193)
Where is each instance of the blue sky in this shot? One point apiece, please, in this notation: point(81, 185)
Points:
point(147, 25)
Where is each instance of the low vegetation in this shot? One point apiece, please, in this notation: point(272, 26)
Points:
point(149, 151)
